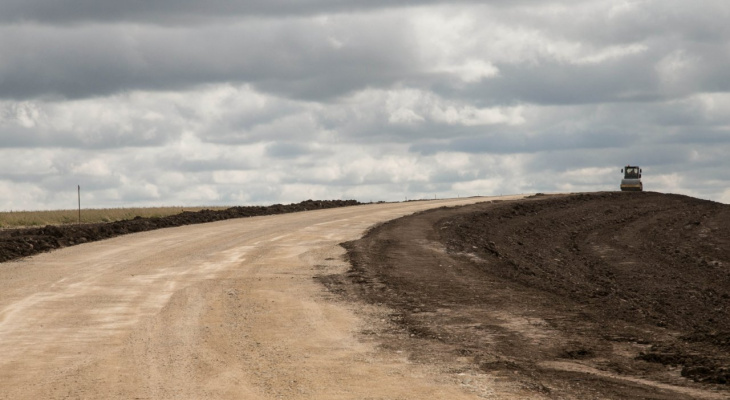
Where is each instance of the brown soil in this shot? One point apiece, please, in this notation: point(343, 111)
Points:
point(606, 295)
point(18, 243)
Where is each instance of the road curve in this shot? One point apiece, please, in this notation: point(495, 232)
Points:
point(220, 310)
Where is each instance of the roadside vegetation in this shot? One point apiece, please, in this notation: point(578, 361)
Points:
point(20, 219)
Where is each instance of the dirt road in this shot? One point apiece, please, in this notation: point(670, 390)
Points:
point(222, 310)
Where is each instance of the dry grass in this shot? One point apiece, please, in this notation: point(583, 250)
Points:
point(17, 219)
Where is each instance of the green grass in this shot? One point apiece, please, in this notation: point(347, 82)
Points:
point(18, 219)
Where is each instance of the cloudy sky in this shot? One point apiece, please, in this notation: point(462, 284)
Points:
point(235, 102)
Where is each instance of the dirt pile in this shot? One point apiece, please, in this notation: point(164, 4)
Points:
point(615, 295)
point(648, 258)
point(17, 243)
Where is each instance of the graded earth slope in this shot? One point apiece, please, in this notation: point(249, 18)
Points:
point(606, 295)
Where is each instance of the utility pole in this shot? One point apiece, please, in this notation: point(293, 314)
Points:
point(79, 192)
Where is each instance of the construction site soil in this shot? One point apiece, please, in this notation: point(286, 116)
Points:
point(17, 243)
point(604, 295)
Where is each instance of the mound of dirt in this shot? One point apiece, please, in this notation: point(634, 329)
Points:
point(654, 259)
point(660, 259)
point(622, 294)
point(17, 243)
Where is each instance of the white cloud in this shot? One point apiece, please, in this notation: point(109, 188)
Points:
point(26, 113)
point(95, 167)
point(479, 187)
point(404, 116)
point(186, 106)
point(25, 196)
point(26, 162)
point(411, 106)
point(473, 71)
point(472, 116)
point(610, 53)
point(676, 70)
point(725, 197)
point(621, 9)
point(671, 183)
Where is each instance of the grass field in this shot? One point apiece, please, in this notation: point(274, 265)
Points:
point(17, 219)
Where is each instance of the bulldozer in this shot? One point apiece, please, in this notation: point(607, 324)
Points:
point(632, 179)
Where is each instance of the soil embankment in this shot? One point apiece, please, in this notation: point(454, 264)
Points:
point(606, 295)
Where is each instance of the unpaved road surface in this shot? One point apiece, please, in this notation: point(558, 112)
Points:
point(591, 296)
point(223, 310)
point(23, 242)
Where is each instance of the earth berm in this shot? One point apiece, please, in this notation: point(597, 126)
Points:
point(605, 295)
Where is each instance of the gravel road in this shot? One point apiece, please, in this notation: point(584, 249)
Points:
point(222, 310)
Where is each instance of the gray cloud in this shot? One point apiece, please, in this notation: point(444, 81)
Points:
point(299, 58)
point(186, 11)
point(226, 102)
point(660, 55)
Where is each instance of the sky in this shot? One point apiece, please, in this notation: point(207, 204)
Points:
point(235, 102)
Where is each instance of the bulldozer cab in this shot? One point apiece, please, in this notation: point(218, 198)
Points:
point(631, 172)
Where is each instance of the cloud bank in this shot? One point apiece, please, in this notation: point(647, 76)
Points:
point(185, 103)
